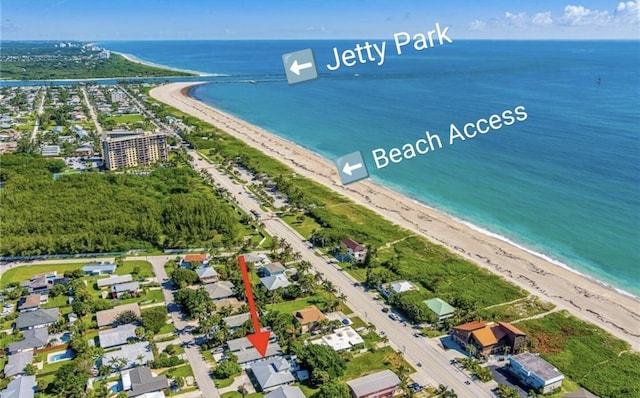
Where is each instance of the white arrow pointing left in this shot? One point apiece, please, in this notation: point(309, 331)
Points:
point(296, 67)
point(348, 169)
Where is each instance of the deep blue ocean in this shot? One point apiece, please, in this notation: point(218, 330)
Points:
point(564, 183)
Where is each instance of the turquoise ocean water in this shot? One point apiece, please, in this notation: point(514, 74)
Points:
point(565, 183)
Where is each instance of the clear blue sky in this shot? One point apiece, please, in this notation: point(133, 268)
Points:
point(325, 19)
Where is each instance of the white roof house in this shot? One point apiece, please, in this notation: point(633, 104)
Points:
point(114, 280)
point(380, 384)
point(396, 287)
point(117, 336)
point(341, 339)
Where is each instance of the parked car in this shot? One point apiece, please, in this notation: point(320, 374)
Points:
point(385, 309)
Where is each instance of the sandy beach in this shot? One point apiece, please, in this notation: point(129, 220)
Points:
point(613, 311)
point(131, 58)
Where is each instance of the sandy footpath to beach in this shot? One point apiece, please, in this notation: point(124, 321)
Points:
point(617, 313)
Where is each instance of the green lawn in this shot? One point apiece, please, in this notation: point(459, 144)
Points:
point(168, 328)
point(127, 267)
point(184, 371)
point(25, 272)
point(304, 228)
point(288, 307)
point(127, 118)
point(222, 383)
point(521, 309)
point(370, 362)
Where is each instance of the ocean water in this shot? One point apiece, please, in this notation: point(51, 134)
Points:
point(564, 183)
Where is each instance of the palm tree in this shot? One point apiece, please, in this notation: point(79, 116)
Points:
point(329, 286)
point(139, 359)
point(472, 350)
point(242, 389)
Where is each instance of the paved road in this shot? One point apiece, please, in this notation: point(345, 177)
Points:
point(42, 93)
point(436, 368)
point(197, 362)
point(92, 112)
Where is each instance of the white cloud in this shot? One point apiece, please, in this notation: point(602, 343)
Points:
point(477, 25)
point(628, 12)
point(581, 16)
point(542, 19)
point(623, 17)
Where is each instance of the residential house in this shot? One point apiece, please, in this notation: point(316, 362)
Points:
point(220, 290)
point(42, 283)
point(232, 303)
point(341, 339)
point(131, 288)
point(17, 362)
point(535, 372)
point(21, 387)
point(308, 318)
point(39, 318)
point(375, 385)
point(286, 392)
point(114, 280)
point(99, 269)
point(354, 250)
point(246, 352)
point(140, 381)
point(29, 303)
point(235, 321)
point(50, 150)
point(391, 288)
point(207, 274)
point(272, 269)
point(136, 354)
point(186, 261)
point(117, 336)
point(489, 337)
point(108, 317)
point(32, 339)
point(275, 282)
point(83, 151)
point(441, 308)
point(272, 373)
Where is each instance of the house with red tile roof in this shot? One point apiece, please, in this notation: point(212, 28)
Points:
point(354, 250)
point(489, 337)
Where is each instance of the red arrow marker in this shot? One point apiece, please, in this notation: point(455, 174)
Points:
point(259, 339)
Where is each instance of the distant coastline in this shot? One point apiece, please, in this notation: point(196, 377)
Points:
point(134, 59)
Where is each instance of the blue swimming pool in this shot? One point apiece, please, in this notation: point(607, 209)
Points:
point(65, 337)
point(115, 388)
point(60, 356)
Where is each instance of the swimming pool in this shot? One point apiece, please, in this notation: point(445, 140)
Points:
point(116, 388)
point(66, 336)
point(60, 356)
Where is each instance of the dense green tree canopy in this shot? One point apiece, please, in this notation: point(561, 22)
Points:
point(103, 212)
point(154, 318)
point(315, 357)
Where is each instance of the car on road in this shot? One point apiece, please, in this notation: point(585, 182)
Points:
point(394, 316)
point(467, 382)
point(385, 309)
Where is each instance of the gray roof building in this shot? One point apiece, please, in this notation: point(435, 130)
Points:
point(246, 352)
point(31, 338)
point(117, 336)
point(16, 363)
point(37, 318)
point(535, 372)
point(22, 387)
point(380, 383)
point(130, 352)
point(114, 280)
point(273, 269)
point(272, 372)
point(141, 381)
point(219, 290)
point(126, 287)
point(108, 317)
point(286, 392)
point(206, 273)
point(274, 282)
point(235, 321)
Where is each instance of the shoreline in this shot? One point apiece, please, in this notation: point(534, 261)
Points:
point(134, 59)
point(585, 297)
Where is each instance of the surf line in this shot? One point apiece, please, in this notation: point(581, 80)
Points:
point(432, 141)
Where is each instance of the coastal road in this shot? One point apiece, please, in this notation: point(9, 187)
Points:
point(436, 368)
